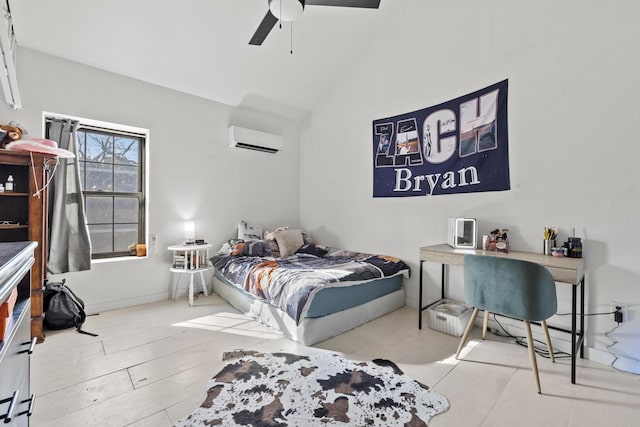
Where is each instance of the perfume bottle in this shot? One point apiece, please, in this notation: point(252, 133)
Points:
point(9, 186)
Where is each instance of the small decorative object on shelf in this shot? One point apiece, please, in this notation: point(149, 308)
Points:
point(141, 249)
point(497, 241)
point(9, 186)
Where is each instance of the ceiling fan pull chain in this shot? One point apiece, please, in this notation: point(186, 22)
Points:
point(291, 38)
point(280, 18)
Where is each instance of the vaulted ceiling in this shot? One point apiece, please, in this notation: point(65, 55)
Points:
point(201, 47)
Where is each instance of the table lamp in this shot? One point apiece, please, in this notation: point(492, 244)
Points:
point(189, 232)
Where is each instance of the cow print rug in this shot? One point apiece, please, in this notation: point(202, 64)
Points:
point(282, 389)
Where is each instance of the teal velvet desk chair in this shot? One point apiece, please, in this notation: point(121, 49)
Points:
point(520, 289)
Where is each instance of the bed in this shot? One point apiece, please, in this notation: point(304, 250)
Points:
point(309, 294)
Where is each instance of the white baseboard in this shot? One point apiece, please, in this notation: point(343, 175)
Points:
point(599, 356)
point(128, 302)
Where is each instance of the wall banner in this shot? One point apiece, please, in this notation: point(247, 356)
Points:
point(459, 146)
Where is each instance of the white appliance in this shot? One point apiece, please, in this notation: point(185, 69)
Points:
point(462, 233)
point(250, 139)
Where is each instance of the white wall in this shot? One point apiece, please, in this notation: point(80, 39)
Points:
point(573, 72)
point(192, 173)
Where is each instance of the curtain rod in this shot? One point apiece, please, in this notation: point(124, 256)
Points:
point(98, 128)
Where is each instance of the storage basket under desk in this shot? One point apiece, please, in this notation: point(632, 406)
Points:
point(449, 316)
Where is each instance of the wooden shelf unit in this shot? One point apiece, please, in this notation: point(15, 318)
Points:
point(13, 194)
point(30, 173)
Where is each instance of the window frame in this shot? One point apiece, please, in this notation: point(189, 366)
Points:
point(116, 130)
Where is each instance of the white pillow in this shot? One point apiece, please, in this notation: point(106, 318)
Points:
point(289, 241)
point(249, 231)
point(271, 235)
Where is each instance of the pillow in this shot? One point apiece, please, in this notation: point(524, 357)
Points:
point(275, 250)
point(249, 231)
point(289, 241)
point(358, 256)
point(237, 248)
point(307, 239)
point(225, 249)
point(270, 235)
point(313, 249)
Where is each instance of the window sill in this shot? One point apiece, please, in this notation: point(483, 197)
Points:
point(117, 259)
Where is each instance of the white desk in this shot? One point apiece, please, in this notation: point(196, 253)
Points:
point(189, 259)
point(562, 269)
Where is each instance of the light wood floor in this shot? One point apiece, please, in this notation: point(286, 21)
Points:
point(150, 365)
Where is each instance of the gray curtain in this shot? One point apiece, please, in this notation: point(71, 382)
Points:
point(69, 244)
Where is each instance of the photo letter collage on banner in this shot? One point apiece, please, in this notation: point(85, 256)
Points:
point(459, 146)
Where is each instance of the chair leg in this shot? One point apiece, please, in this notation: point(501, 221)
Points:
point(467, 331)
point(548, 338)
point(485, 324)
point(532, 354)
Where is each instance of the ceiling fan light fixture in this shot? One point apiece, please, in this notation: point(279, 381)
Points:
point(286, 10)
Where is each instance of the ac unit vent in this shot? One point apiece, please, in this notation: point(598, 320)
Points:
point(250, 139)
point(256, 148)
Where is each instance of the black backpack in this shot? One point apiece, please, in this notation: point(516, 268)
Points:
point(62, 308)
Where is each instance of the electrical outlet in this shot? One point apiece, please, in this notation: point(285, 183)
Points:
point(623, 309)
point(153, 243)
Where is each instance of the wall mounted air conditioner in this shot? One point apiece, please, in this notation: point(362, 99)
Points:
point(8, 76)
point(250, 139)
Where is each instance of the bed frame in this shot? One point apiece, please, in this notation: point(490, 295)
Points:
point(310, 330)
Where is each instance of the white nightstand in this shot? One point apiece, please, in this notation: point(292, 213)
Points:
point(189, 259)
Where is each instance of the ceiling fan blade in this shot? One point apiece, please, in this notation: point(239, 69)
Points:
point(370, 4)
point(268, 22)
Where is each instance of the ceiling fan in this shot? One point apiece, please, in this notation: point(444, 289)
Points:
point(290, 10)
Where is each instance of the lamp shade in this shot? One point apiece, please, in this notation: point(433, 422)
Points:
point(189, 230)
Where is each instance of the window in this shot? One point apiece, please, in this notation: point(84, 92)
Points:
point(112, 163)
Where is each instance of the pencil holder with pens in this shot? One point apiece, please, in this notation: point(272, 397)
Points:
point(549, 241)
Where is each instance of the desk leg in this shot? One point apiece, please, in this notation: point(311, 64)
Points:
point(574, 341)
point(420, 298)
point(582, 318)
point(421, 308)
point(577, 336)
point(445, 279)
